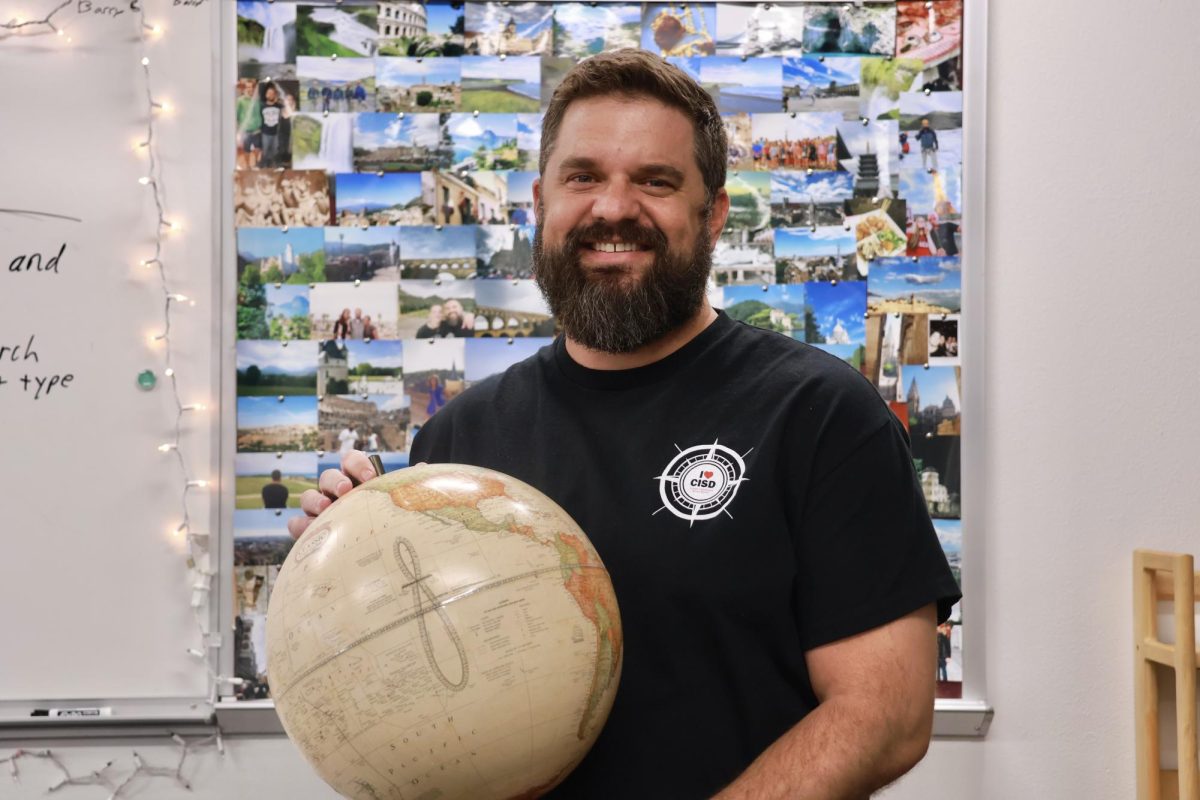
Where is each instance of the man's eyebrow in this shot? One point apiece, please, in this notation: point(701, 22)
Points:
point(584, 162)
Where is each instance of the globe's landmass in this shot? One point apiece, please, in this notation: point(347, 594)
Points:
point(443, 631)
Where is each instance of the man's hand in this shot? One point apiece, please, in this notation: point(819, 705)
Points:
point(332, 485)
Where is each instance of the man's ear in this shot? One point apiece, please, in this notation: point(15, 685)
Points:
point(537, 200)
point(720, 214)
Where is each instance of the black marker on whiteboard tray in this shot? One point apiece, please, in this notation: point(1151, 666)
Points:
point(74, 713)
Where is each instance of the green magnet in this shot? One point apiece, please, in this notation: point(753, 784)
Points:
point(146, 380)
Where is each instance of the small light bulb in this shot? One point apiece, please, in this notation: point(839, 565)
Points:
point(198, 484)
point(194, 407)
point(175, 226)
point(144, 180)
point(179, 298)
point(166, 448)
point(145, 61)
point(166, 105)
point(169, 372)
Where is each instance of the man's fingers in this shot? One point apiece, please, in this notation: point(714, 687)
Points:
point(313, 502)
point(297, 526)
point(357, 464)
point(334, 483)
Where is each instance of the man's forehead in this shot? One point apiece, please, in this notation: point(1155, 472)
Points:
point(656, 135)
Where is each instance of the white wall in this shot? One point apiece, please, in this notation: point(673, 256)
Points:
point(1094, 177)
point(1092, 434)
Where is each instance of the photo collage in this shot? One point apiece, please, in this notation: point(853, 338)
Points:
point(383, 207)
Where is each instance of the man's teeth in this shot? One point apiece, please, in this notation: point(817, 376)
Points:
point(614, 247)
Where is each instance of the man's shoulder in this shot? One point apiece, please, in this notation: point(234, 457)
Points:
point(778, 365)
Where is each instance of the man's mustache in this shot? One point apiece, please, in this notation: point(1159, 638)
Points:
point(627, 231)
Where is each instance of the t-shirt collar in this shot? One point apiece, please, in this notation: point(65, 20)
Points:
point(643, 375)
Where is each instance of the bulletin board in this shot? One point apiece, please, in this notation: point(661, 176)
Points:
point(381, 156)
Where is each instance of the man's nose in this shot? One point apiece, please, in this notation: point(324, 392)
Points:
point(617, 200)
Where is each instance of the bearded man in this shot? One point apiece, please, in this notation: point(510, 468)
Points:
point(752, 497)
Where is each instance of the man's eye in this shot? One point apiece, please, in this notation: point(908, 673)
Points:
point(661, 183)
point(574, 177)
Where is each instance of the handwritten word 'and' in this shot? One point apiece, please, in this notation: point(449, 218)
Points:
point(31, 384)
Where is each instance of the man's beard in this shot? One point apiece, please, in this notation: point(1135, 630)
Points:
point(601, 310)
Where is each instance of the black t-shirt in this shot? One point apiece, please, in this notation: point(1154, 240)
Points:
point(272, 114)
point(752, 498)
point(274, 495)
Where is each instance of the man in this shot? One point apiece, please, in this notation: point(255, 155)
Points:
point(752, 497)
point(927, 136)
point(249, 123)
point(275, 494)
point(272, 119)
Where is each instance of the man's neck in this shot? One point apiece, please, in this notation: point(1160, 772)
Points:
point(648, 353)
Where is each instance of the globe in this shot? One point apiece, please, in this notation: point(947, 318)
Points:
point(443, 631)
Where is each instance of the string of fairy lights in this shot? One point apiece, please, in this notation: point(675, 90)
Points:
point(199, 558)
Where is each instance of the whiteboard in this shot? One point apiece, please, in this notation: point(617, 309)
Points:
point(93, 581)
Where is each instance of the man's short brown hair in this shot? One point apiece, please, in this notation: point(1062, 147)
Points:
point(634, 73)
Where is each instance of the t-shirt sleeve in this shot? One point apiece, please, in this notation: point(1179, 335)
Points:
point(866, 549)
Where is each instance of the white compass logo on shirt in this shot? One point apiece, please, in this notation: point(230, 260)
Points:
point(701, 481)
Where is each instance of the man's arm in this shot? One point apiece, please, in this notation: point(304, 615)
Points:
point(872, 725)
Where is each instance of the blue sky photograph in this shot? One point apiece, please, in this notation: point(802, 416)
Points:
point(411, 71)
point(263, 463)
point(820, 187)
point(949, 533)
point(782, 126)
point(935, 278)
point(373, 130)
point(689, 64)
point(487, 130)
point(520, 186)
point(359, 191)
point(840, 310)
point(785, 296)
point(287, 301)
point(924, 191)
point(424, 241)
point(805, 242)
point(440, 18)
point(378, 236)
point(385, 353)
point(530, 18)
point(520, 295)
point(263, 412)
point(526, 69)
point(934, 385)
point(811, 73)
point(256, 243)
point(486, 357)
point(298, 358)
point(529, 131)
point(842, 351)
point(761, 76)
point(585, 23)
